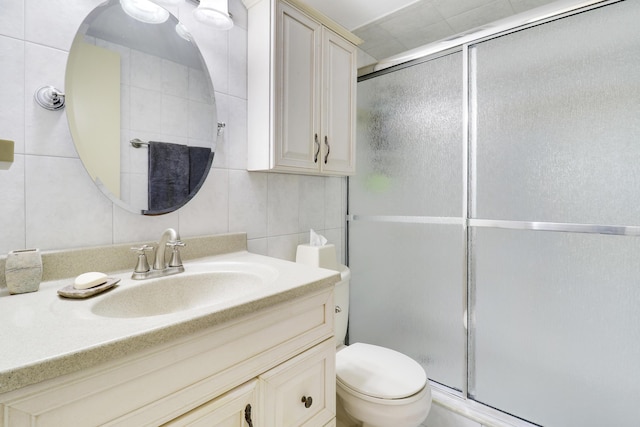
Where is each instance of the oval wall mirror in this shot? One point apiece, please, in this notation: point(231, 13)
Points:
point(141, 107)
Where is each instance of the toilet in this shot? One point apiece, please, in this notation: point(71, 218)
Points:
point(376, 386)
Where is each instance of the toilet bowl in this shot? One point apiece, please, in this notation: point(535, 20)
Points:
point(381, 387)
point(376, 386)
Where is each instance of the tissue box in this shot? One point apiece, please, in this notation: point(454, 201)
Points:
point(23, 271)
point(317, 256)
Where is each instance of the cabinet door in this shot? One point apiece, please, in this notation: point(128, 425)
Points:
point(297, 91)
point(235, 408)
point(338, 104)
point(301, 391)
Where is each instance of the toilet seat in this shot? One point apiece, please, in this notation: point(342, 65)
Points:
point(379, 372)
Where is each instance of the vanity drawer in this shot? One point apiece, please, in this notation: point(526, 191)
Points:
point(301, 391)
point(231, 409)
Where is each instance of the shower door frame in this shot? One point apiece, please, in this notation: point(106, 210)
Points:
point(462, 44)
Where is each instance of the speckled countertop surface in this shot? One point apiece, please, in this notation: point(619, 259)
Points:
point(43, 336)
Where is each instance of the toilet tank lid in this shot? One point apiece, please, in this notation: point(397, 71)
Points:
point(379, 372)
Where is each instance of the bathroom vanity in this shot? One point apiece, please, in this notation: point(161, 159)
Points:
point(259, 358)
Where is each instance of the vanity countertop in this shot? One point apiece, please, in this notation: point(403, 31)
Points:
point(44, 336)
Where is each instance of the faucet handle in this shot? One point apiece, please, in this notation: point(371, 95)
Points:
point(142, 249)
point(143, 265)
point(175, 253)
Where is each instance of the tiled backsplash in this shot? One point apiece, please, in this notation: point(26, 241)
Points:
point(48, 199)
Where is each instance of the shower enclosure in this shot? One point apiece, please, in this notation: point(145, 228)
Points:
point(494, 223)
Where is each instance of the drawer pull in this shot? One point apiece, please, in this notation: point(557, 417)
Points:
point(307, 401)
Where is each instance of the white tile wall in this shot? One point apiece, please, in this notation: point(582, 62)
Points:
point(12, 81)
point(248, 203)
point(48, 199)
point(12, 215)
point(46, 133)
point(12, 18)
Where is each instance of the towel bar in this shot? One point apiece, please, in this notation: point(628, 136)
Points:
point(136, 143)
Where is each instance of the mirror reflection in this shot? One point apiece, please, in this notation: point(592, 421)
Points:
point(141, 109)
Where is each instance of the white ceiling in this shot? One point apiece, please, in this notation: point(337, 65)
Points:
point(352, 14)
point(390, 27)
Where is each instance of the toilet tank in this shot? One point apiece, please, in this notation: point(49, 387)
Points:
point(342, 304)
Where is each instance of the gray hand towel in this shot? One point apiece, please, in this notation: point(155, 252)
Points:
point(200, 159)
point(168, 176)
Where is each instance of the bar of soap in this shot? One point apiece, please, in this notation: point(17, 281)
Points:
point(89, 280)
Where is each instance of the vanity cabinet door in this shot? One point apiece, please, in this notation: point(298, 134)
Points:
point(301, 391)
point(235, 408)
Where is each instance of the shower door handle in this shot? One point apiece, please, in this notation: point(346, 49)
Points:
point(326, 142)
point(315, 157)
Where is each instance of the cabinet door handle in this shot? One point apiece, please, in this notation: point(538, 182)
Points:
point(247, 415)
point(307, 400)
point(326, 142)
point(315, 158)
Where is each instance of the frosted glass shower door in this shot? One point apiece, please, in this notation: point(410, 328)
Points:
point(555, 242)
point(406, 232)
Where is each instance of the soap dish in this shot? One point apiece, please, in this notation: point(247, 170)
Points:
point(71, 292)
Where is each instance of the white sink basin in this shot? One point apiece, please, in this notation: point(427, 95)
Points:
point(201, 285)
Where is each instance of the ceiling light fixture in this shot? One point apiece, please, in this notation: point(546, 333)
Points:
point(145, 11)
point(214, 13)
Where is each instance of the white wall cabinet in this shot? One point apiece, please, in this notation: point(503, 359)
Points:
point(269, 360)
point(302, 90)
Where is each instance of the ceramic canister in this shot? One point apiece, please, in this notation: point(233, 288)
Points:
point(23, 271)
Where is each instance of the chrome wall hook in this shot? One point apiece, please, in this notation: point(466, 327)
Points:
point(50, 98)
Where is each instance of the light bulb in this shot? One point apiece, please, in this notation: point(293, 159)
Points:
point(145, 11)
point(214, 13)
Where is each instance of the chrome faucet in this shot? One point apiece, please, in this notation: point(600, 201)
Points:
point(160, 266)
point(169, 235)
